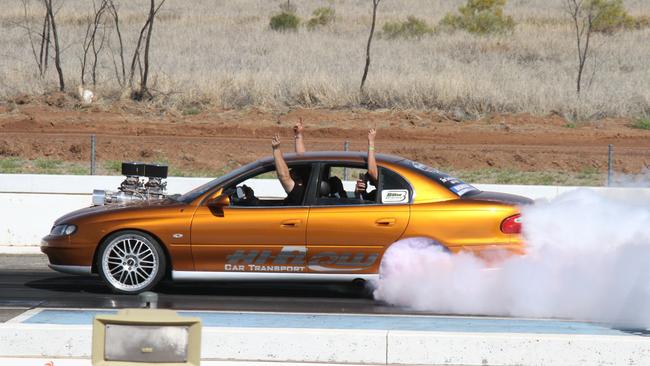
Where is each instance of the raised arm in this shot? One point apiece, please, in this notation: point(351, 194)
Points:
point(281, 167)
point(297, 134)
point(373, 173)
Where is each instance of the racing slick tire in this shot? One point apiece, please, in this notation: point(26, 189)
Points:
point(131, 262)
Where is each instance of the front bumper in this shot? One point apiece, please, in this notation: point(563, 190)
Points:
point(63, 252)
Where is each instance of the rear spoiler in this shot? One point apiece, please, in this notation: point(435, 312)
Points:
point(497, 197)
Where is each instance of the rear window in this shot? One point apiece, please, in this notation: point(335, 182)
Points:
point(453, 184)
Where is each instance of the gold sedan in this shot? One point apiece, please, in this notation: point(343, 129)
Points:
point(224, 230)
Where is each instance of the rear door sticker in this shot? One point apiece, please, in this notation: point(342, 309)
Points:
point(394, 196)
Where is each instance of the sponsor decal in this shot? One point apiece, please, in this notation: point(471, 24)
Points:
point(293, 255)
point(331, 262)
point(425, 168)
point(295, 259)
point(461, 189)
point(454, 184)
point(394, 196)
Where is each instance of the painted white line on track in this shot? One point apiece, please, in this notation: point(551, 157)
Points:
point(24, 316)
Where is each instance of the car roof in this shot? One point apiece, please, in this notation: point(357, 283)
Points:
point(350, 156)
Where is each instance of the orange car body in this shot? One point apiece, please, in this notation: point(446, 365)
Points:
point(204, 236)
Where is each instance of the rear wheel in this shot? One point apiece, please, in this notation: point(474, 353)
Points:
point(131, 262)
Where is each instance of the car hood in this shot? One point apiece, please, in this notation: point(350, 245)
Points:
point(508, 198)
point(98, 210)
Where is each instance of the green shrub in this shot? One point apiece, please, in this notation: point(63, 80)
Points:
point(412, 27)
point(321, 17)
point(642, 124)
point(610, 16)
point(285, 22)
point(480, 17)
point(191, 110)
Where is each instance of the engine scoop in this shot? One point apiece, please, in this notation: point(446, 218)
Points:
point(135, 187)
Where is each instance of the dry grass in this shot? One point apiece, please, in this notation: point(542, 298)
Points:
point(223, 53)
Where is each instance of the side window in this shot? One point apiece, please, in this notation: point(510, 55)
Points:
point(264, 189)
point(393, 188)
point(337, 186)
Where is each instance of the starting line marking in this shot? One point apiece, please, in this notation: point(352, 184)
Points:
point(393, 322)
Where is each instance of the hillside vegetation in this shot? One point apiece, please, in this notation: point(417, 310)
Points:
point(226, 54)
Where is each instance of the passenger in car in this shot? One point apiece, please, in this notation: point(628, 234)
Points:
point(293, 181)
point(336, 187)
point(298, 138)
point(372, 175)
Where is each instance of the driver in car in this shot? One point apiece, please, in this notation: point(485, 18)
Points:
point(372, 175)
point(292, 180)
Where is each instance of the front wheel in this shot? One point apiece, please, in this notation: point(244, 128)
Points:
point(131, 262)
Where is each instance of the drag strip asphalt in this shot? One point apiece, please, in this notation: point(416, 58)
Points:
point(29, 288)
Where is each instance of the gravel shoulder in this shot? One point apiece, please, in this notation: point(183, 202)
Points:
point(215, 141)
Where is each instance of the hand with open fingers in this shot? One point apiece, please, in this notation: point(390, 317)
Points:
point(298, 128)
point(371, 135)
point(275, 142)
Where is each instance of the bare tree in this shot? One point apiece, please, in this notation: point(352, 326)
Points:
point(145, 33)
point(42, 39)
point(45, 45)
point(121, 77)
point(57, 51)
point(375, 3)
point(583, 14)
point(95, 26)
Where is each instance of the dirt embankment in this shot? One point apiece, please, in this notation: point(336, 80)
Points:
point(216, 139)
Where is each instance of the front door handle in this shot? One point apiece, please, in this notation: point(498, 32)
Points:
point(291, 223)
point(389, 221)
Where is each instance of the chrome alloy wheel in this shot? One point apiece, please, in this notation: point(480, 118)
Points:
point(130, 263)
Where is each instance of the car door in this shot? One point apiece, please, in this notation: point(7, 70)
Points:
point(262, 237)
point(350, 235)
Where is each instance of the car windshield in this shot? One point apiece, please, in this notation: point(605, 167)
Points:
point(200, 190)
point(453, 184)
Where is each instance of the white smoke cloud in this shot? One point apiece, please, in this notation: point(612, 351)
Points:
point(588, 259)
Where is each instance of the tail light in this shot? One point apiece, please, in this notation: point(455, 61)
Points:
point(511, 225)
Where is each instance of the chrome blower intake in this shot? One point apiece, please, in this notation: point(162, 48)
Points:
point(133, 188)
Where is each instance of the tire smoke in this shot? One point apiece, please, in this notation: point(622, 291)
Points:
point(588, 258)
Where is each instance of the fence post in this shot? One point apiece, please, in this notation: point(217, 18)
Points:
point(610, 153)
point(93, 143)
point(346, 147)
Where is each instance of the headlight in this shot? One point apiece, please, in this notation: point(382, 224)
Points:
point(64, 229)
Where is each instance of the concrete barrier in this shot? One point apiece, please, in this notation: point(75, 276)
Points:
point(437, 348)
point(31, 203)
point(350, 339)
